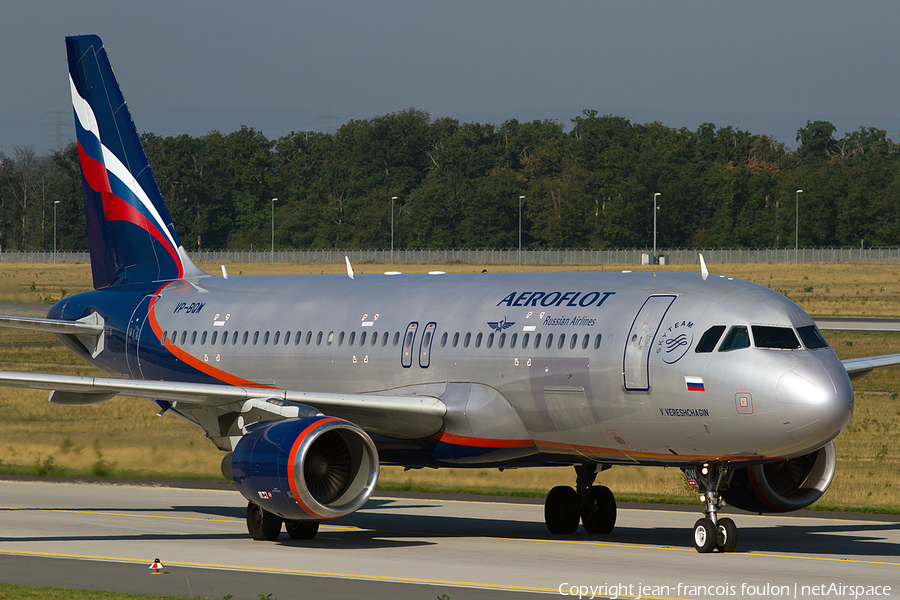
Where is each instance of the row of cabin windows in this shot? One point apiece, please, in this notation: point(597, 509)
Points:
point(764, 336)
point(585, 340)
point(574, 341)
point(277, 338)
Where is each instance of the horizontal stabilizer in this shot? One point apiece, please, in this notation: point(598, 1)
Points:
point(52, 325)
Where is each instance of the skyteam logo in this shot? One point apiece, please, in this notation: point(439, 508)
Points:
point(675, 341)
point(500, 325)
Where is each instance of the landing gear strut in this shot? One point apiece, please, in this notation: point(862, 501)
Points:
point(711, 532)
point(593, 505)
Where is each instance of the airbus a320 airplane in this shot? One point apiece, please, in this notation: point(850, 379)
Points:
point(308, 383)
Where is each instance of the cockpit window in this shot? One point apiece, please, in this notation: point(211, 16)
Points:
point(775, 337)
point(812, 337)
point(710, 338)
point(738, 337)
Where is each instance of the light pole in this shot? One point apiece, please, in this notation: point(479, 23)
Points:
point(520, 229)
point(654, 226)
point(54, 230)
point(274, 200)
point(797, 224)
point(392, 228)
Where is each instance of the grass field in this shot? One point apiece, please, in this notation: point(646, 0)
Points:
point(124, 438)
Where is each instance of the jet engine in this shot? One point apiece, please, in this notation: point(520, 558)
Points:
point(314, 468)
point(783, 486)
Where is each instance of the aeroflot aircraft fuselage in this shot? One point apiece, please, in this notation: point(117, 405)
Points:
point(309, 382)
point(534, 369)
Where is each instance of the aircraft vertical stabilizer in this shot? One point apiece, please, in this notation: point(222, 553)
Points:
point(130, 231)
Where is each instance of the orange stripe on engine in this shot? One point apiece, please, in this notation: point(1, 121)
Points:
point(291, 456)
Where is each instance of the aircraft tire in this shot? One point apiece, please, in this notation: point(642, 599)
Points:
point(562, 510)
point(726, 535)
point(599, 515)
point(262, 524)
point(302, 530)
point(704, 536)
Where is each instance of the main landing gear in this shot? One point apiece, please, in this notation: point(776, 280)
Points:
point(593, 505)
point(264, 525)
point(711, 532)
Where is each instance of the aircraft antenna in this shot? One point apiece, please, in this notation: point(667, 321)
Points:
point(349, 268)
point(703, 271)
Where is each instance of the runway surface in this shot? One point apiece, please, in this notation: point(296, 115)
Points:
point(105, 537)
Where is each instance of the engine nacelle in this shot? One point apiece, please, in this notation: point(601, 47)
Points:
point(783, 486)
point(315, 468)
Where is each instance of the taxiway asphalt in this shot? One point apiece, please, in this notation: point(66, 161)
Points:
point(106, 536)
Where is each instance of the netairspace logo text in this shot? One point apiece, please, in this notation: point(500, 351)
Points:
point(746, 590)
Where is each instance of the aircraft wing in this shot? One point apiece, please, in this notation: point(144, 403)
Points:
point(408, 417)
point(859, 367)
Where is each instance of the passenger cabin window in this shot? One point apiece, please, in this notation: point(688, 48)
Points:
point(234, 337)
point(330, 339)
point(549, 340)
point(573, 342)
point(455, 339)
point(597, 341)
point(812, 337)
point(362, 338)
point(319, 339)
point(183, 337)
point(512, 340)
point(341, 339)
point(502, 341)
point(467, 340)
point(266, 339)
point(212, 341)
point(585, 341)
point(775, 337)
point(277, 337)
point(478, 341)
point(245, 338)
point(710, 338)
point(396, 339)
point(255, 337)
point(537, 341)
point(738, 337)
point(525, 337)
point(562, 341)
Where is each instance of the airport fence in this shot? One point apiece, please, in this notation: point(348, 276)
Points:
point(632, 256)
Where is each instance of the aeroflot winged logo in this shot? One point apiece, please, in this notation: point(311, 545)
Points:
point(500, 325)
point(555, 298)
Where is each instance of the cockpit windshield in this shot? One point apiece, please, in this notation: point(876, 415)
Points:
point(812, 337)
point(775, 337)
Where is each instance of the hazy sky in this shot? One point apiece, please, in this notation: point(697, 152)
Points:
point(292, 65)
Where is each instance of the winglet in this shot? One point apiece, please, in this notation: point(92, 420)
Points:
point(703, 270)
point(349, 268)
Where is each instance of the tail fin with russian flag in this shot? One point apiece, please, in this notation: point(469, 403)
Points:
point(130, 231)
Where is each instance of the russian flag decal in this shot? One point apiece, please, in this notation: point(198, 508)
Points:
point(694, 384)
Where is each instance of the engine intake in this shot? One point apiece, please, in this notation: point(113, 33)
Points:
point(316, 468)
point(783, 486)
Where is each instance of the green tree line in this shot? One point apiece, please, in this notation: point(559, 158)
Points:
point(458, 185)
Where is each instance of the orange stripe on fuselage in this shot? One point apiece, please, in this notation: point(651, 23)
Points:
point(188, 359)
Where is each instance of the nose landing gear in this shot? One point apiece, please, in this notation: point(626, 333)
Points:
point(593, 505)
point(711, 532)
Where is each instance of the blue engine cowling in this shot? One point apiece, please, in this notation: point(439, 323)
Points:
point(783, 486)
point(315, 468)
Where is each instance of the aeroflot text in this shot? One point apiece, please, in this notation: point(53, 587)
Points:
point(555, 298)
point(766, 590)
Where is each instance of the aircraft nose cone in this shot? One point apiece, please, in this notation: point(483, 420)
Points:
point(814, 402)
